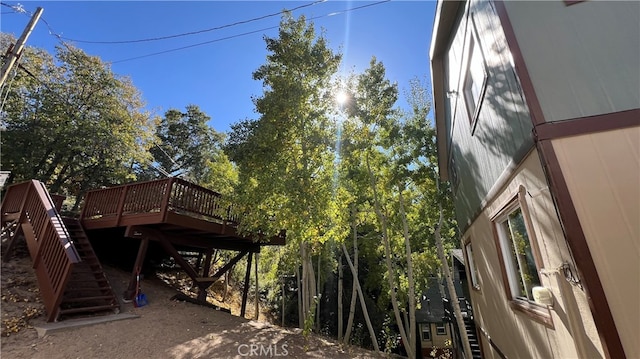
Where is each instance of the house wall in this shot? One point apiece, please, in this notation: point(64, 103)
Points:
point(437, 341)
point(574, 62)
point(513, 332)
point(602, 172)
point(582, 59)
point(503, 131)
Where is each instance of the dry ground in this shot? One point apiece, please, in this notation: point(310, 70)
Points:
point(165, 328)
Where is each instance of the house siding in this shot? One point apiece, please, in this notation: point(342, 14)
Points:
point(514, 333)
point(503, 126)
point(558, 119)
point(602, 172)
point(582, 59)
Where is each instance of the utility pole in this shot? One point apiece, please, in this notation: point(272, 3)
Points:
point(15, 53)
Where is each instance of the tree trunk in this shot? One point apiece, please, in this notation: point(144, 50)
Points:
point(391, 272)
point(283, 296)
point(340, 274)
point(311, 291)
point(452, 290)
point(303, 283)
point(412, 297)
point(372, 334)
point(300, 306)
point(319, 294)
point(352, 307)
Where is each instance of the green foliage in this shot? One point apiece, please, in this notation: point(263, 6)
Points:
point(188, 147)
point(284, 157)
point(71, 122)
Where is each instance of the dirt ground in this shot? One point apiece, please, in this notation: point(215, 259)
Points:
point(164, 329)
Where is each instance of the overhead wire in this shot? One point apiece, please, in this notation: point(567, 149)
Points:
point(246, 33)
point(193, 32)
point(62, 38)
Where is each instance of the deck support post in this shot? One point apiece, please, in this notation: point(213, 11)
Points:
point(245, 291)
point(137, 268)
point(202, 293)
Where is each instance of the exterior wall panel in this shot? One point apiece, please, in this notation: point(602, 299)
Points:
point(515, 333)
point(602, 172)
point(503, 126)
point(580, 65)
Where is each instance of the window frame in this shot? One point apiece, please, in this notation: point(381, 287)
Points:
point(535, 311)
point(473, 47)
point(440, 326)
point(472, 273)
point(426, 326)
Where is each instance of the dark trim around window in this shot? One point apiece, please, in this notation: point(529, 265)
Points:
point(474, 45)
point(534, 311)
point(475, 286)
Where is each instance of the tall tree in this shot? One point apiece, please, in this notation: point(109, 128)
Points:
point(285, 157)
point(416, 163)
point(72, 123)
point(187, 146)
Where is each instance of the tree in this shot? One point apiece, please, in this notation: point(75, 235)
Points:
point(72, 123)
point(417, 157)
point(188, 147)
point(285, 157)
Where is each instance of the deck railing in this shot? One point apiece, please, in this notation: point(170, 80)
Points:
point(48, 241)
point(153, 199)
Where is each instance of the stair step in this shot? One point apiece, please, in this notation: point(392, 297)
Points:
point(88, 309)
point(85, 289)
point(88, 282)
point(87, 299)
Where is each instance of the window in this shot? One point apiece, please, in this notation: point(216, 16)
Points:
point(441, 329)
point(518, 256)
point(426, 331)
point(471, 264)
point(475, 81)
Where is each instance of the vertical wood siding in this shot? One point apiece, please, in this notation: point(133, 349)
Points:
point(503, 126)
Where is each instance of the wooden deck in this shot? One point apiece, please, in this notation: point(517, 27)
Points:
point(196, 215)
point(178, 215)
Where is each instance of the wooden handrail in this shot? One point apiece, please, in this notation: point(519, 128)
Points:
point(162, 196)
point(50, 247)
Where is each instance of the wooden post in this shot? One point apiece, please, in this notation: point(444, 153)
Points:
point(137, 268)
point(202, 293)
point(257, 293)
point(15, 53)
point(245, 291)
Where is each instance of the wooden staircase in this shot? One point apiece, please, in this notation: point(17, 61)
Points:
point(470, 328)
point(88, 289)
point(69, 275)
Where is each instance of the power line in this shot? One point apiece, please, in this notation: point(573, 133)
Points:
point(62, 39)
point(246, 33)
point(193, 32)
point(194, 45)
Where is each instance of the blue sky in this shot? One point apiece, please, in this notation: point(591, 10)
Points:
point(217, 76)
